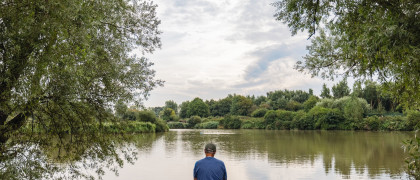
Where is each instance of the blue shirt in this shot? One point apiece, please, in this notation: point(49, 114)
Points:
point(210, 168)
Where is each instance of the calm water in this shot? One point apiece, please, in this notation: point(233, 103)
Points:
point(261, 154)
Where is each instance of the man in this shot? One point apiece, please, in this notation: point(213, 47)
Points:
point(210, 168)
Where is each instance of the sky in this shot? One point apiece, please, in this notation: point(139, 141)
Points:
point(212, 48)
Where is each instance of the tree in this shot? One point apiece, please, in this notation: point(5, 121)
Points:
point(120, 108)
point(310, 103)
point(168, 114)
point(341, 89)
point(65, 62)
point(172, 104)
point(362, 39)
point(198, 108)
point(183, 109)
point(325, 92)
point(241, 105)
point(370, 93)
point(222, 107)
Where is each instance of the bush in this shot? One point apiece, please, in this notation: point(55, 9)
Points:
point(296, 119)
point(326, 118)
point(412, 147)
point(293, 105)
point(161, 126)
point(147, 116)
point(372, 123)
point(326, 103)
point(177, 125)
point(231, 122)
point(129, 127)
point(207, 125)
point(413, 118)
point(305, 122)
point(192, 121)
point(310, 103)
point(285, 115)
point(253, 123)
point(354, 108)
point(394, 123)
point(260, 112)
point(271, 116)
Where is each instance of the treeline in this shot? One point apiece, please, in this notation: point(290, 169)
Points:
point(366, 107)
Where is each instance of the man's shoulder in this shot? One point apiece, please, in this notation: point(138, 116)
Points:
point(207, 159)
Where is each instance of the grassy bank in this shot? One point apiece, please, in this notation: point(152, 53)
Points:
point(107, 127)
point(317, 118)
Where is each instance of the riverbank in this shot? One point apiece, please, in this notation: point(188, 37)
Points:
point(107, 127)
point(316, 118)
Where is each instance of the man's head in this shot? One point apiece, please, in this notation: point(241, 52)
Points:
point(210, 148)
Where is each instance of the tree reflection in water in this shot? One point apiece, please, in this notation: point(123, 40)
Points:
point(76, 157)
point(340, 151)
point(345, 153)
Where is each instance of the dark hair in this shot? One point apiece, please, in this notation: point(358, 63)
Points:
point(210, 148)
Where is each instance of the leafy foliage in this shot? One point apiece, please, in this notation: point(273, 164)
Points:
point(231, 122)
point(259, 112)
point(172, 104)
point(66, 62)
point(241, 106)
point(364, 39)
point(198, 108)
point(341, 89)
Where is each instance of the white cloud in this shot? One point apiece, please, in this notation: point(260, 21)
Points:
point(212, 48)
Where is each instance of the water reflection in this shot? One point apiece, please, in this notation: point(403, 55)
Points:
point(248, 154)
point(323, 154)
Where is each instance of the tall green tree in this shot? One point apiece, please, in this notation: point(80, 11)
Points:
point(183, 112)
point(241, 106)
point(120, 108)
point(173, 105)
point(222, 107)
point(341, 89)
point(362, 39)
point(325, 92)
point(65, 62)
point(197, 107)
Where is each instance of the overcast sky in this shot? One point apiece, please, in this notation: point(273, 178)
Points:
point(212, 48)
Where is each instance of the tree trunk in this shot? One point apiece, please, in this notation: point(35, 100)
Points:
point(13, 125)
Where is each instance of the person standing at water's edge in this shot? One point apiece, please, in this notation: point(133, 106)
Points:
point(210, 168)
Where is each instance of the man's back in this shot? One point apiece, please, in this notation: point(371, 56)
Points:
point(210, 168)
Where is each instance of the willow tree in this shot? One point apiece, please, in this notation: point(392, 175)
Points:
point(64, 63)
point(363, 39)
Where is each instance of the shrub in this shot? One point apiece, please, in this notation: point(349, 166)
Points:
point(293, 105)
point(394, 123)
point(177, 125)
point(208, 125)
point(326, 103)
point(147, 116)
point(248, 124)
point(372, 123)
point(231, 122)
point(310, 103)
point(270, 117)
point(305, 122)
point(412, 147)
point(161, 126)
point(413, 118)
point(354, 108)
point(296, 118)
point(129, 127)
point(260, 112)
point(192, 121)
point(285, 115)
point(326, 118)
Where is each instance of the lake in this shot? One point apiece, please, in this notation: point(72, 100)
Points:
point(271, 155)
